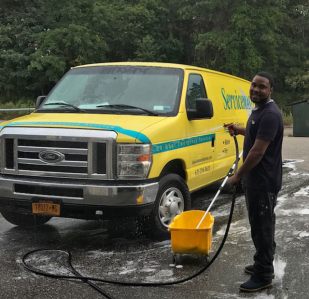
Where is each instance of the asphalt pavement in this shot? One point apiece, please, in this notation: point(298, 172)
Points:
point(296, 148)
point(121, 253)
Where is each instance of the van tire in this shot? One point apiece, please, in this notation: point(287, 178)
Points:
point(166, 209)
point(24, 220)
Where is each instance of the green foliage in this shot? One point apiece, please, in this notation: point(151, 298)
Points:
point(40, 40)
point(287, 119)
point(61, 48)
point(24, 103)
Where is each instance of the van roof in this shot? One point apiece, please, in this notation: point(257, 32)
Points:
point(160, 64)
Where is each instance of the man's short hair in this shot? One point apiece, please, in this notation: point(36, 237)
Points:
point(267, 76)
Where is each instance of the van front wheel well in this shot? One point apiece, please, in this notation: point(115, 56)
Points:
point(176, 167)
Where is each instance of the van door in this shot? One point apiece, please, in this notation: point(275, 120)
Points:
point(221, 90)
point(200, 134)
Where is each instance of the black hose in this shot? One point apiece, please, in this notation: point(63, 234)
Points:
point(89, 279)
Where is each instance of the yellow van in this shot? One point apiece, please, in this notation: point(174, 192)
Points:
point(120, 139)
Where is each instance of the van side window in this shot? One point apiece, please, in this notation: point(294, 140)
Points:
point(196, 89)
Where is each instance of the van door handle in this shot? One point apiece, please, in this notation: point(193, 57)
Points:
point(213, 141)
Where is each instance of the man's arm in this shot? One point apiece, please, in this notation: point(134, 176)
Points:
point(253, 158)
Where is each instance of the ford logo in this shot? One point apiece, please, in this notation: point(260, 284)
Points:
point(49, 156)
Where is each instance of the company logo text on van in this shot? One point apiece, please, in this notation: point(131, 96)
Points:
point(235, 101)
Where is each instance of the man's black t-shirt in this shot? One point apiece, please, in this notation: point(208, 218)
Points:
point(265, 123)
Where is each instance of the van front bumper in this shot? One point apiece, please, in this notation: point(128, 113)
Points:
point(79, 198)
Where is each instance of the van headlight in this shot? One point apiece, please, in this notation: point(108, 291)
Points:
point(133, 160)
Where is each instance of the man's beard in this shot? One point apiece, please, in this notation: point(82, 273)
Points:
point(260, 102)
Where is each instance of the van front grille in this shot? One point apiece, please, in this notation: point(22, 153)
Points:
point(74, 156)
point(58, 156)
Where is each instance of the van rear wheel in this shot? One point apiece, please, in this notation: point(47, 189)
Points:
point(24, 220)
point(172, 199)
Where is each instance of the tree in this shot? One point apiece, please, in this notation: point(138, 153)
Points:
point(61, 48)
point(40, 40)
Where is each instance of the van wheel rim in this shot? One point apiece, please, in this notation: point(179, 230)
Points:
point(171, 204)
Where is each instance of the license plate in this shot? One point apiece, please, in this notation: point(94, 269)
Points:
point(46, 208)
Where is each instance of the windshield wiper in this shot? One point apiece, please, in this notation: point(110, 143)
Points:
point(64, 104)
point(124, 106)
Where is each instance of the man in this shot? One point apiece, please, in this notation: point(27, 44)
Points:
point(261, 173)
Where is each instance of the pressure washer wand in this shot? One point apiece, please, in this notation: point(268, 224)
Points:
point(219, 190)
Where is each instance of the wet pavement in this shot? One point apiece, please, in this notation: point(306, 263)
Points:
point(120, 252)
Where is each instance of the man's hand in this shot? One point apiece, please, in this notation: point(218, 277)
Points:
point(233, 180)
point(234, 129)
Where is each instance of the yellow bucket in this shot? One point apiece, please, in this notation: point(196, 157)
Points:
point(185, 238)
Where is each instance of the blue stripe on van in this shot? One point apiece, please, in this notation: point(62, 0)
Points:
point(141, 137)
point(156, 148)
point(180, 143)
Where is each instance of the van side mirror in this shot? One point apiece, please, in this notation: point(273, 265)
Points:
point(39, 101)
point(204, 109)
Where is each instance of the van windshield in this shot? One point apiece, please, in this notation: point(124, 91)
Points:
point(117, 89)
